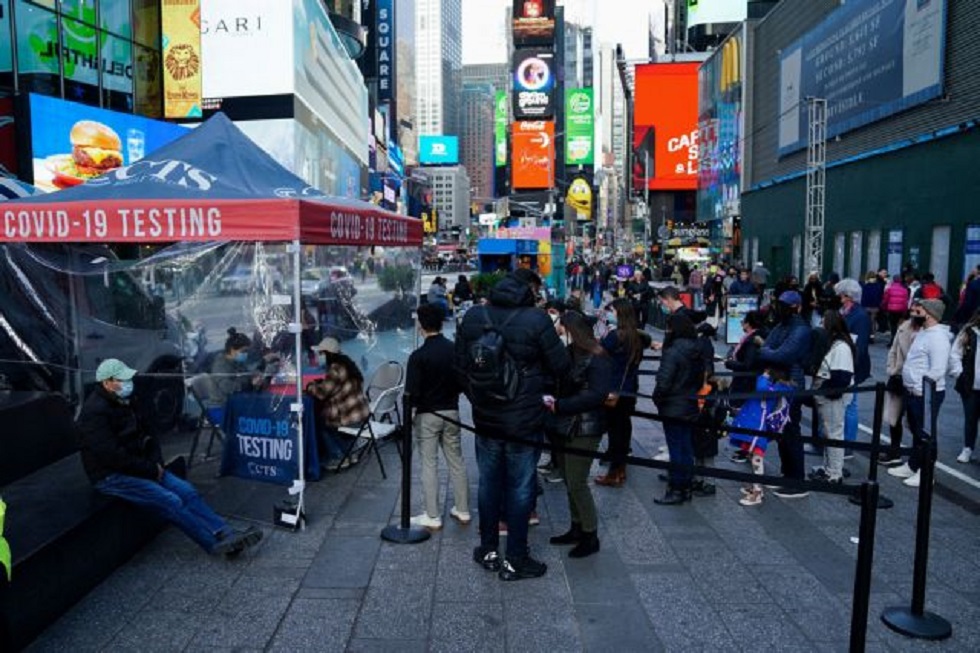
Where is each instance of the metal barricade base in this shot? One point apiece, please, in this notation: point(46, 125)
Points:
point(399, 535)
point(927, 625)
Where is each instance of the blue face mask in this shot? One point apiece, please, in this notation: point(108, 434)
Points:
point(611, 318)
point(664, 309)
point(125, 389)
point(321, 359)
point(241, 357)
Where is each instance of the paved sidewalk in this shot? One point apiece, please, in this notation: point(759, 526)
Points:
point(708, 576)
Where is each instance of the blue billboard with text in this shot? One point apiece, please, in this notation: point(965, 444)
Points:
point(438, 150)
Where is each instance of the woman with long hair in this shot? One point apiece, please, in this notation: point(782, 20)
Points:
point(895, 392)
point(581, 418)
point(624, 343)
point(963, 363)
point(834, 375)
point(230, 371)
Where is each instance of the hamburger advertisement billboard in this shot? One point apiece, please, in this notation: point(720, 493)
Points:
point(534, 84)
point(72, 143)
point(533, 154)
point(534, 22)
point(665, 127)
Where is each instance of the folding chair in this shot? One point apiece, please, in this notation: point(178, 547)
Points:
point(387, 375)
point(380, 424)
point(201, 388)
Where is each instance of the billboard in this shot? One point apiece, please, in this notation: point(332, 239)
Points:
point(665, 127)
point(721, 126)
point(534, 84)
point(181, 26)
point(868, 60)
point(252, 35)
point(500, 128)
point(534, 22)
point(532, 154)
point(438, 150)
point(385, 36)
point(703, 12)
point(579, 126)
point(71, 143)
point(579, 197)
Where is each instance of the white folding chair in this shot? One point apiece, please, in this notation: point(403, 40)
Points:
point(386, 376)
point(201, 388)
point(382, 423)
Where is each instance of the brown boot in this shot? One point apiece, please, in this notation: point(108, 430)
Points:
point(615, 477)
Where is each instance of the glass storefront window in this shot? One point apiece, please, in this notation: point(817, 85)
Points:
point(117, 64)
point(83, 10)
point(79, 44)
point(37, 49)
point(148, 83)
point(114, 17)
point(146, 22)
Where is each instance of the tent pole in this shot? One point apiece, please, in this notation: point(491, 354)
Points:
point(298, 339)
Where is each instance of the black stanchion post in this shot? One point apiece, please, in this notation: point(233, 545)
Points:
point(879, 418)
point(403, 533)
point(862, 575)
point(915, 621)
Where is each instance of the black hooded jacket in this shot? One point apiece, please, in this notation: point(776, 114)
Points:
point(111, 440)
point(678, 381)
point(533, 343)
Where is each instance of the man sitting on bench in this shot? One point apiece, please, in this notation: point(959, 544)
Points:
point(123, 461)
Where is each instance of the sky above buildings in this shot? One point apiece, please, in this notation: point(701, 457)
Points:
point(619, 22)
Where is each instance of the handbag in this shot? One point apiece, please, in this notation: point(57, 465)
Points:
point(613, 397)
point(895, 385)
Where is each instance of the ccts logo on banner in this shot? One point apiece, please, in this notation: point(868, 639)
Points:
point(534, 84)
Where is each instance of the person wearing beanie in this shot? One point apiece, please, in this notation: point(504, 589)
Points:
point(927, 358)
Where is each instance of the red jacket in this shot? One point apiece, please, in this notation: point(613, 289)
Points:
point(895, 299)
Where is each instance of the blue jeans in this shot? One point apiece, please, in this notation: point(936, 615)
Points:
point(680, 446)
point(175, 500)
point(506, 478)
point(915, 407)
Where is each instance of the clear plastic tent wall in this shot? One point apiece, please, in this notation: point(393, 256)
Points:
point(66, 307)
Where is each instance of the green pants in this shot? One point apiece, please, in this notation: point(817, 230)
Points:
point(576, 468)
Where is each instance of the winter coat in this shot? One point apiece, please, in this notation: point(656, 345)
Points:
point(581, 395)
point(859, 324)
point(678, 381)
point(896, 360)
point(872, 293)
point(534, 345)
point(787, 347)
point(970, 302)
point(740, 287)
point(111, 440)
point(895, 299)
point(745, 361)
point(624, 376)
point(963, 361)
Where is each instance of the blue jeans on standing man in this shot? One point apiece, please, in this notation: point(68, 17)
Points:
point(175, 500)
point(680, 446)
point(506, 478)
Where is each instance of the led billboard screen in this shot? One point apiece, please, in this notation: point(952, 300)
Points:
point(438, 150)
point(534, 84)
point(665, 127)
point(579, 127)
point(533, 154)
point(703, 12)
point(71, 143)
point(500, 129)
point(534, 22)
point(181, 25)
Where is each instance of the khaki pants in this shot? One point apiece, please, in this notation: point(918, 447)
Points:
point(431, 432)
point(581, 506)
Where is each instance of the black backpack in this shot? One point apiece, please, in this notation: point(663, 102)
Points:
point(819, 346)
point(492, 373)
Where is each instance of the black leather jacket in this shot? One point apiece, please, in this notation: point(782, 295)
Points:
point(678, 380)
point(581, 395)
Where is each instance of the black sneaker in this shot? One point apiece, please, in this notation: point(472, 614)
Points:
point(740, 457)
point(488, 559)
point(521, 568)
point(819, 474)
point(701, 488)
point(886, 459)
point(238, 541)
point(791, 493)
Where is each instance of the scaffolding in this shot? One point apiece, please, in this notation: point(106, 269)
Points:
point(816, 183)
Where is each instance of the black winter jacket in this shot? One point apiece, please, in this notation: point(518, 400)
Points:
point(581, 395)
point(111, 440)
point(536, 348)
point(678, 381)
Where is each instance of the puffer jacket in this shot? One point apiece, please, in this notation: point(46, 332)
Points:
point(678, 381)
point(895, 299)
point(534, 345)
point(111, 440)
point(581, 395)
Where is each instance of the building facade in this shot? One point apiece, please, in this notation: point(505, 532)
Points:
point(450, 198)
point(438, 66)
point(477, 138)
point(897, 191)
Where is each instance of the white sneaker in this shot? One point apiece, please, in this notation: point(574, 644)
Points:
point(423, 520)
point(965, 455)
point(913, 480)
point(462, 517)
point(902, 471)
point(663, 456)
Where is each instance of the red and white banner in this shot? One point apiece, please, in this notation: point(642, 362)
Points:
point(167, 221)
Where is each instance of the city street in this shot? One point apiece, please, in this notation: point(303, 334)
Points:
point(711, 575)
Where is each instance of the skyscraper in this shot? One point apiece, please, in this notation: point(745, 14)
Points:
point(476, 144)
point(439, 65)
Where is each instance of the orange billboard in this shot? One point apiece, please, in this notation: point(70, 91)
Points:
point(665, 126)
point(532, 161)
